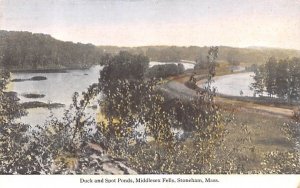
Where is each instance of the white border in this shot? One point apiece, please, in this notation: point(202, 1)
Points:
point(225, 181)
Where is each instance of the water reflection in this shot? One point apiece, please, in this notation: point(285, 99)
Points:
point(57, 88)
point(234, 84)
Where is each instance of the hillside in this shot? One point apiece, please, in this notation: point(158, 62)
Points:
point(192, 53)
point(21, 50)
point(28, 51)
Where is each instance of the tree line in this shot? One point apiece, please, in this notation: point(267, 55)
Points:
point(231, 55)
point(164, 71)
point(26, 51)
point(278, 78)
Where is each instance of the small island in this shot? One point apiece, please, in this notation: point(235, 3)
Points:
point(33, 95)
point(37, 104)
point(35, 78)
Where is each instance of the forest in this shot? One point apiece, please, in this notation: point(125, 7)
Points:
point(20, 50)
point(28, 51)
point(278, 78)
point(247, 55)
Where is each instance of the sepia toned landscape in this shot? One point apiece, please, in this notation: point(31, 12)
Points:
point(149, 87)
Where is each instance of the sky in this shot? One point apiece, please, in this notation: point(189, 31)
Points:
point(238, 23)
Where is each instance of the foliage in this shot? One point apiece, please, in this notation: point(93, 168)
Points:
point(123, 66)
point(278, 78)
point(194, 53)
point(154, 132)
point(285, 162)
point(270, 76)
point(42, 149)
point(164, 71)
point(296, 114)
point(24, 50)
point(282, 162)
point(258, 84)
point(142, 120)
point(282, 79)
point(12, 136)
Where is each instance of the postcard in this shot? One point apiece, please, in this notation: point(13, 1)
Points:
point(168, 93)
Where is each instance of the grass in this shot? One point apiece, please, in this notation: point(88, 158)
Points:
point(256, 134)
point(250, 137)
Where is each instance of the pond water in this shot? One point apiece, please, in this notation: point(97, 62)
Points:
point(57, 88)
point(60, 87)
point(233, 84)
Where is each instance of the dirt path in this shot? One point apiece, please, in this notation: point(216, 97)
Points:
point(176, 88)
point(259, 108)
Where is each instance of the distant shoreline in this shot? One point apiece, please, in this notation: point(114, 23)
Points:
point(57, 70)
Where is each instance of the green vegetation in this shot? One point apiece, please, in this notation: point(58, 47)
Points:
point(37, 104)
point(152, 131)
point(48, 148)
point(164, 71)
point(243, 56)
point(27, 51)
point(35, 78)
point(132, 104)
point(12, 135)
point(21, 51)
point(38, 78)
point(278, 78)
point(33, 95)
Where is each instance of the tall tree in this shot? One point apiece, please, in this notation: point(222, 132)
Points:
point(270, 79)
point(282, 82)
point(258, 85)
point(294, 79)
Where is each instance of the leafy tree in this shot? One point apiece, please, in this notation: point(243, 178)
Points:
point(279, 78)
point(270, 80)
point(259, 81)
point(164, 71)
point(294, 79)
point(136, 112)
point(282, 83)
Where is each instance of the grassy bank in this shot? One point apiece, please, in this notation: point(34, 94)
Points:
point(252, 135)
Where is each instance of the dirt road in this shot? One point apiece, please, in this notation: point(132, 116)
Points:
point(176, 88)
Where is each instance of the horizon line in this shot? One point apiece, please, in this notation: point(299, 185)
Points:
point(254, 47)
